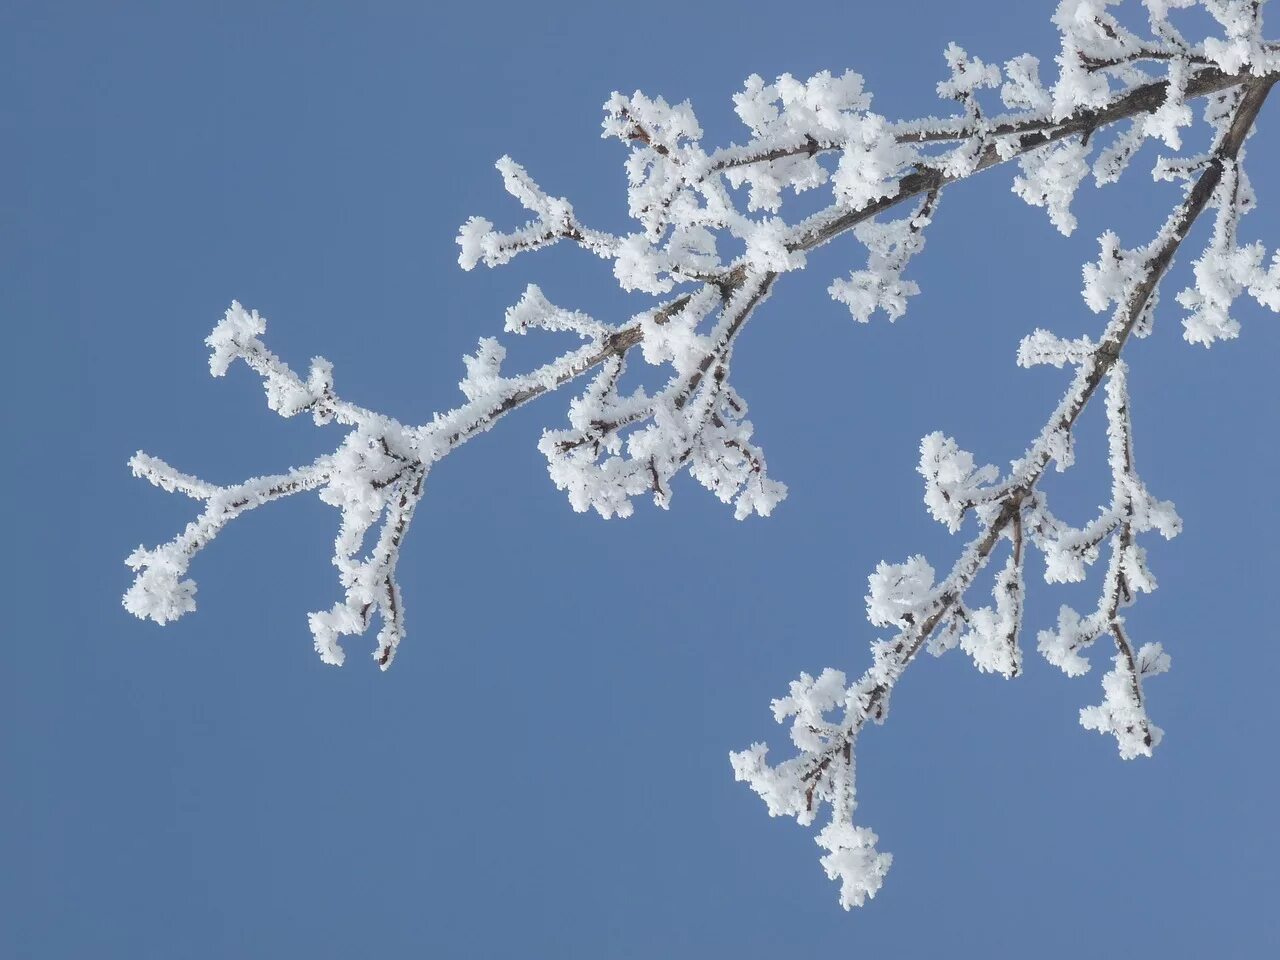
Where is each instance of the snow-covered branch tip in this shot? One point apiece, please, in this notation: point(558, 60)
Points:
point(712, 237)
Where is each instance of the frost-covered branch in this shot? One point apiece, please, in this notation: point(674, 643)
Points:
point(711, 241)
point(937, 616)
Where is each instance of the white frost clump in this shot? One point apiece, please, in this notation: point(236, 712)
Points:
point(1062, 647)
point(640, 266)
point(952, 483)
point(676, 340)
point(657, 122)
point(158, 593)
point(1264, 286)
point(1110, 279)
point(1168, 119)
point(328, 627)
point(471, 241)
point(776, 786)
point(819, 112)
point(1050, 177)
point(759, 495)
point(890, 247)
point(790, 107)
point(1225, 269)
point(1121, 713)
point(1087, 30)
point(1242, 43)
point(1022, 89)
point(807, 700)
point(852, 859)
point(898, 591)
point(484, 368)
point(767, 248)
point(871, 163)
point(992, 637)
point(968, 74)
point(237, 327)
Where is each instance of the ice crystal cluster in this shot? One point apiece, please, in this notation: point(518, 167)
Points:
point(710, 241)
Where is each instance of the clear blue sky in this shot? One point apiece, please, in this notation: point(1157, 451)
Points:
point(544, 772)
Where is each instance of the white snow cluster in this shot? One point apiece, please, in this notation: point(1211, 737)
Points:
point(896, 592)
point(890, 247)
point(992, 635)
point(1225, 269)
point(853, 860)
point(1050, 177)
point(1122, 713)
point(821, 112)
point(952, 483)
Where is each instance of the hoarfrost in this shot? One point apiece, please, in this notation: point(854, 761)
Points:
point(697, 299)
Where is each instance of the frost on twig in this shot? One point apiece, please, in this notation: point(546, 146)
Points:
point(711, 239)
point(1068, 550)
point(374, 475)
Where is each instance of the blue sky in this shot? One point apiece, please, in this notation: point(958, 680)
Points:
point(544, 771)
